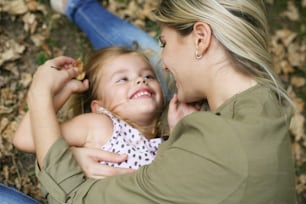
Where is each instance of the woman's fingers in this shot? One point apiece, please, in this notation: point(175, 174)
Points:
point(89, 160)
point(99, 171)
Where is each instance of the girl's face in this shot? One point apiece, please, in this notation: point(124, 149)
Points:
point(128, 87)
point(178, 58)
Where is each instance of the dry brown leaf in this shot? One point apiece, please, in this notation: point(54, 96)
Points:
point(297, 126)
point(292, 13)
point(298, 102)
point(14, 7)
point(30, 22)
point(3, 124)
point(298, 152)
point(286, 67)
point(5, 110)
point(80, 66)
point(38, 39)
point(295, 56)
point(297, 81)
point(12, 51)
point(301, 183)
point(32, 5)
point(286, 36)
point(7, 97)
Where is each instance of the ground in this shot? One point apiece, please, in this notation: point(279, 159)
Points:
point(31, 33)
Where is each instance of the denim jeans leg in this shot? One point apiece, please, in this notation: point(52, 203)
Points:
point(104, 28)
point(9, 195)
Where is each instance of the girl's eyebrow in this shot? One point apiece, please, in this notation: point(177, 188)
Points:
point(124, 70)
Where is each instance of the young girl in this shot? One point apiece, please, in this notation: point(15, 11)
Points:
point(126, 101)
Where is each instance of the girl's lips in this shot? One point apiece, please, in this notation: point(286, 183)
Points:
point(142, 93)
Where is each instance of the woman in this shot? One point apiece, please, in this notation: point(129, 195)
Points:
point(239, 152)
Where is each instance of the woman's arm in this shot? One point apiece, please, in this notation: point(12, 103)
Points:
point(179, 110)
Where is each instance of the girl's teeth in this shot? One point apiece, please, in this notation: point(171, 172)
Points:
point(142, 94)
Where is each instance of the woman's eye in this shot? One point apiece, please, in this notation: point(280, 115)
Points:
point(162, 43)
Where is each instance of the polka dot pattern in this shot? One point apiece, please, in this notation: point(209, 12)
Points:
point(128, 140)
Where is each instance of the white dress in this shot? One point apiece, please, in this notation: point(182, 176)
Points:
point(128, 140)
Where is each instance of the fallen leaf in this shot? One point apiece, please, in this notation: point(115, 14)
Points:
point(30, 22)
point(14, 7)
point(12, 51)
point(297, 81)
point(297, 126)
point(292, 12)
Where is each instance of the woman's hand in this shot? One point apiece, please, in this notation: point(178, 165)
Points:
point(88, 159)
point(178, 110)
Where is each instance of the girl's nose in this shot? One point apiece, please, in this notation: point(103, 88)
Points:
point(141, 80)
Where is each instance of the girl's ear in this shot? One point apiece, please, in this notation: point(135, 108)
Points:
point(95, 107)
point(202, 36)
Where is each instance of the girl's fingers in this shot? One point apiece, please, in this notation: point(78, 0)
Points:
point(60, 62)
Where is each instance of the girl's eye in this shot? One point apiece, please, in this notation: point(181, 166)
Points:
point(149, 77)
point(124, 79)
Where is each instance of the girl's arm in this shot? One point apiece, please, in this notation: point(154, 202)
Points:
point(23, 139)
point(46, 83)
point(91, 130)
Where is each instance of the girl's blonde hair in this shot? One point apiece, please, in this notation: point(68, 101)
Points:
point(240, 25)
point(80, 103)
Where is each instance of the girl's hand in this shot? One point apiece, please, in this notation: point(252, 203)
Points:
point(55, 79)
point(178, 110)
point(72, 86)
point(88, 159)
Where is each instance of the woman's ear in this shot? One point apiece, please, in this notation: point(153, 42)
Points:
point(95, 107)
point(202, 37)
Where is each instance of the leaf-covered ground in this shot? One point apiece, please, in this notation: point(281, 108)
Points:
point(30, 33)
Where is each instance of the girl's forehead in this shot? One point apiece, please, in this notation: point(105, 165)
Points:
point(126, 63)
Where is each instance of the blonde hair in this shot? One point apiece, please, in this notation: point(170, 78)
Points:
point(80, 103)
point(240, 25)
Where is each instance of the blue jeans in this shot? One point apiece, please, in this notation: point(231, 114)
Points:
point(105, 29)
point(9, 195)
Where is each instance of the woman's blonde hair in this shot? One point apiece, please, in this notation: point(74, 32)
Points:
point(240, 25)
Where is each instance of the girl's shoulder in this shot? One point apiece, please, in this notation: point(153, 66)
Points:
point(96, 120)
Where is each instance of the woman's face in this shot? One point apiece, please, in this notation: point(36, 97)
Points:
point(178, 58)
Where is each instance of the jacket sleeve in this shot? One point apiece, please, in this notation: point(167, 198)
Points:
point(191, 167)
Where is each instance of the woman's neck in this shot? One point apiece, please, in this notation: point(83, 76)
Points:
point(228, 83)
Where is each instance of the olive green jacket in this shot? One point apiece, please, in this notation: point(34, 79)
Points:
point(238, 155)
